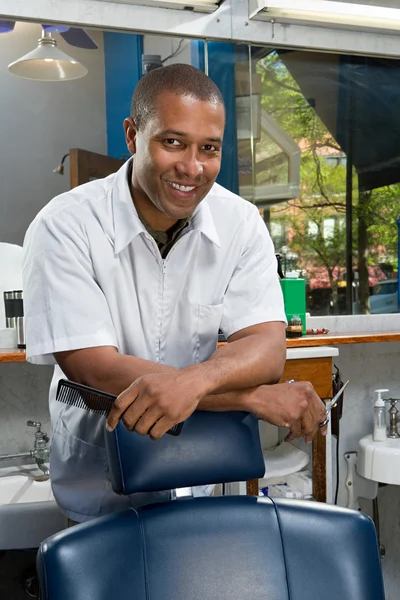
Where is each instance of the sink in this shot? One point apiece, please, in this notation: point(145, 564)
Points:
point(19, 489)
point(379, 461)
point(28, 511)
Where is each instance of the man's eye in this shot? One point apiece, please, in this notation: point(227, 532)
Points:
point(172, 142)
point(210, 148)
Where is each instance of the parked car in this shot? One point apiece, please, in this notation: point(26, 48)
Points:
point(384, 297)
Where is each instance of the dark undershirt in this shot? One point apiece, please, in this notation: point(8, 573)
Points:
point(164, 239)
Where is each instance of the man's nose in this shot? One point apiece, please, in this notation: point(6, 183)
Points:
point(190, 165)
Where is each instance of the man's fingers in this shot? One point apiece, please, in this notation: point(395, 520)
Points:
point(136, 411)
point(160, 428)
point(324, 430)
point(308, 426)
point(146, 421)
point(295, 431)
point(317, 408)
point(120, 405)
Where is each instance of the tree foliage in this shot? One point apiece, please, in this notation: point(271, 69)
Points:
point(323, 188)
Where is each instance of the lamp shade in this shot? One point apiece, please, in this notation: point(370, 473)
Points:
point(55, 28)
point(6, 26)
point(47, 63)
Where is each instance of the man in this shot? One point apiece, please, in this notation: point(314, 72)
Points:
point(128, 279)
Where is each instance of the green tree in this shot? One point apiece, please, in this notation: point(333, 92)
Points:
point(323, 190)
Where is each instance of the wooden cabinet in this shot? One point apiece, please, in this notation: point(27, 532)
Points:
point(319, 372)
point(316, 370)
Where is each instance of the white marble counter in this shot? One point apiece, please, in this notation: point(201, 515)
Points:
point(342, 324)
point(312, 352)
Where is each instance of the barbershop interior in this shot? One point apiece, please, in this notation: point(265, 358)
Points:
point(247, 508)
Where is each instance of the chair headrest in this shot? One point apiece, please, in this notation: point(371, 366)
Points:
point(211, 448)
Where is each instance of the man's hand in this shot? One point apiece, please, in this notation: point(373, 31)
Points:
point(154, 403)
point(293, 405)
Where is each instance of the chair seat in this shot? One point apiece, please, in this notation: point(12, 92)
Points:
point(219, 548)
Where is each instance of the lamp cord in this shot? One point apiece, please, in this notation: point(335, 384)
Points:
point(337, 463)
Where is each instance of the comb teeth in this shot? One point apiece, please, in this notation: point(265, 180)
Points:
point(81, 396)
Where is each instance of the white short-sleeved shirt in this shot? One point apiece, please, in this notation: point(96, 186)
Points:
point(93, 276)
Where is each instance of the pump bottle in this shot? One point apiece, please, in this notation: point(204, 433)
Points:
point(380, 422)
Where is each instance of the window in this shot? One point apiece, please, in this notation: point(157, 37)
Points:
point(341, 224)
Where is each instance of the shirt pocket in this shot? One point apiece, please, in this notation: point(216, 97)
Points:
point(209, 317)
point(78, 472)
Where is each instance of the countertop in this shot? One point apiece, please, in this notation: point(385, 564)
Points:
point(314, 344)
point(15, 355)
point(311, 352)
point(336, 339)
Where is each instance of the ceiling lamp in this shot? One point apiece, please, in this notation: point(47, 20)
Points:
point(6, 26)
point(47, 63)
point(326, 13)
point(194, 5)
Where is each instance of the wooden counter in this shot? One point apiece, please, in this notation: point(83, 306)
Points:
point(336, 339)
point(12, 355)
point(307, 341)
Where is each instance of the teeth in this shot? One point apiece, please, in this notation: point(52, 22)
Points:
point(182, 188)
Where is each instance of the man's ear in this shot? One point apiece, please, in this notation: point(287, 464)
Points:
point(130, 135)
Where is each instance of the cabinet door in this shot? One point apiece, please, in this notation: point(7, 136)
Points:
point(86, 166)
point(316, 370)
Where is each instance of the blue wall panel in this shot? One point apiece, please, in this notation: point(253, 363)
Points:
point(123, 69)
point(221, 69)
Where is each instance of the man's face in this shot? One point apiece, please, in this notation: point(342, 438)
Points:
point(177, 154)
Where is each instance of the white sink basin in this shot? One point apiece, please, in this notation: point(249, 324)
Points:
point(19, 489)
point(379, 461)
point(28, 511)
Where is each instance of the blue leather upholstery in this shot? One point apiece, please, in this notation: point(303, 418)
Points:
point(229, 548)
point(211, 448)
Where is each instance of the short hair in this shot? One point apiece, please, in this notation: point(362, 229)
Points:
point(180, 79)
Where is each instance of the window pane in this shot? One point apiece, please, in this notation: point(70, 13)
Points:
point(347, 137)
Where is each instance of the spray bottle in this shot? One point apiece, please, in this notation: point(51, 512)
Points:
point(380, 422)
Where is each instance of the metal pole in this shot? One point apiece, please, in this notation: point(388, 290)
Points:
point(398, 264)
point(349, 195)
point(206, 57)
point(252, 148)
point(349, 235)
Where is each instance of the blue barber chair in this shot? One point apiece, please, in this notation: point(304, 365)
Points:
point(218, 548)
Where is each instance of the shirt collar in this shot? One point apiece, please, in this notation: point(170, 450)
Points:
point(203, 221)
point(127, 224)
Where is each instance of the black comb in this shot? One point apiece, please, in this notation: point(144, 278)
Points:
point(83, 396)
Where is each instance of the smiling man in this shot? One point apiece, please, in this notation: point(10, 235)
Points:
point(127, 281)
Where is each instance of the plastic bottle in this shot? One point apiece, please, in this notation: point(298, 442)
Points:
point(380, 422)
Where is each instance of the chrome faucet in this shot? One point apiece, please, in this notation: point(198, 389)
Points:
point(393, 419)
point(40, 452)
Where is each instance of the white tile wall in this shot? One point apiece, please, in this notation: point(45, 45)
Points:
point(23, 395)
point(371, 366)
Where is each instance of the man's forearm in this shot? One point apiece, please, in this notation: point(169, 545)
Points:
point(105, 369)
point(125, 369)
point(234, 400)
point(118, 371)
point(244, 363)
point(253, 357)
